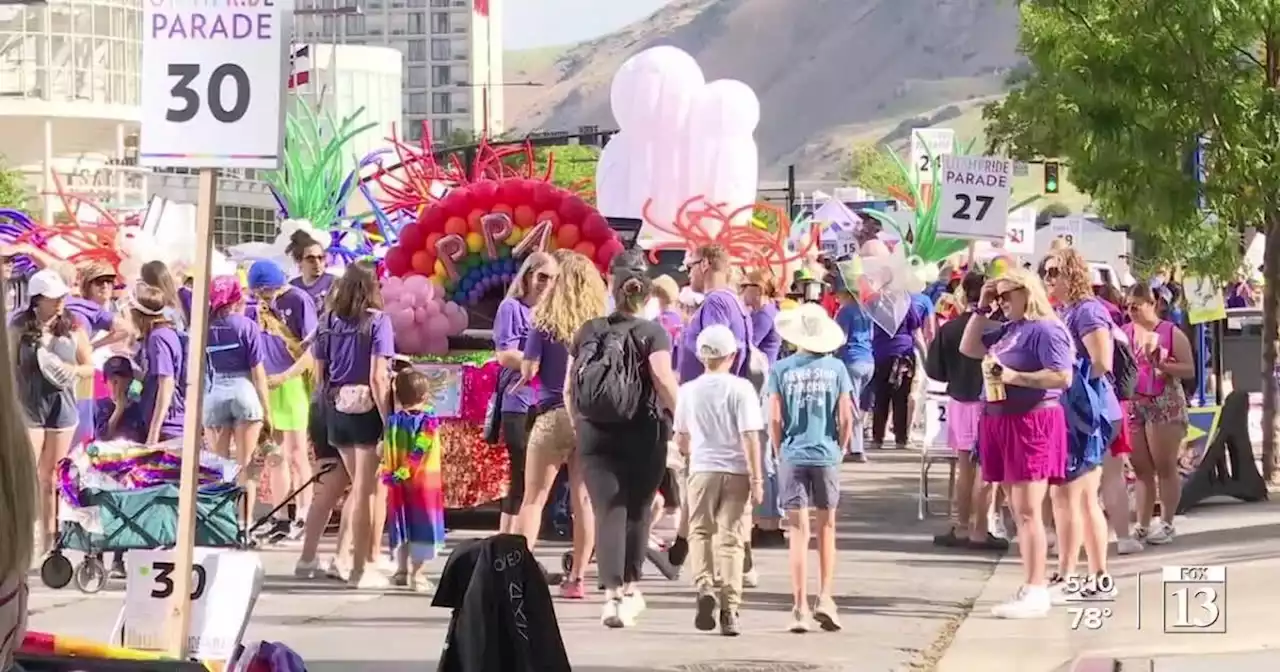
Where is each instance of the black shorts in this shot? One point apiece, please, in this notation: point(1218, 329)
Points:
point(347, 430)
point(515, 434)
point(51, 410)
point(318, 433)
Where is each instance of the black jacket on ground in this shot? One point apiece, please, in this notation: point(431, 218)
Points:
point(503, 617)
point(945, 363)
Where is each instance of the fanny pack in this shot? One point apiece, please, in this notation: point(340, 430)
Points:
point(353, 399)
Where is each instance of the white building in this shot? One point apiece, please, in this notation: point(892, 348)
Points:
point(70, 107)
point(452, 50)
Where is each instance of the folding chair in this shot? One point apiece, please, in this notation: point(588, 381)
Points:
point(933, 450)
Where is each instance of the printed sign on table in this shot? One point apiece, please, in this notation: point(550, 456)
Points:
point(1020, 231)
point(1205, 302)
point(213, 83)
point(935, 423)
point(975, 197)
point(224, 588)
point(927, 142)
point(446, 389)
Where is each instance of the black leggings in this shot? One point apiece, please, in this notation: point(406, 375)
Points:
point(891, 388)
point(622, 468)
point(516, 435)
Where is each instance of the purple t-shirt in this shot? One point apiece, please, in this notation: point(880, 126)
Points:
point(1030, 345)
point(317, 290)
point(91, 315)
point(902, 342)
point(510, 332)
point(295, 308)
point(348, 349)
point(184, 300)
point(166, 354)
point(553, 361)
point(235, 344)
point(720, 306)
point(1083, 319)
point(765, 336)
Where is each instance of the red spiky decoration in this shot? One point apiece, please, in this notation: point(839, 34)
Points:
point(698, 223)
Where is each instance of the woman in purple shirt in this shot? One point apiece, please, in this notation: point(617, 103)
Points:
point(353, 348)
point(162, 403)
point(157, 274)
point(235, 407)
point(1022, 437)
point(576, 297)
point(510, 333)
point(760, 294)
point(310, 257)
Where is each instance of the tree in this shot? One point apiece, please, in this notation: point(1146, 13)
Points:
point(1122, 89)
point(872, 168)
point(573, 166)
point(15, 192)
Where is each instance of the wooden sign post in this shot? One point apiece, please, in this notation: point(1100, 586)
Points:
point(213, 97)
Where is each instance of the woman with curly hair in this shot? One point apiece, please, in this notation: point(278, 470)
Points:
point(576, 297)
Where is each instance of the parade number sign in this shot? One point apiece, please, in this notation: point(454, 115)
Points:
point(1067, 228)
point(213, 80)
point(928, 146)
point(224, 587)
point(975, 197)
point(1020, 232)
point(935, 423)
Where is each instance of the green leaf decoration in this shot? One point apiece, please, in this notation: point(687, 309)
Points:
point(315, 165)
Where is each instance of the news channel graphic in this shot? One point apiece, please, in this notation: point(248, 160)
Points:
point(1194, 599)
point(1089, 599)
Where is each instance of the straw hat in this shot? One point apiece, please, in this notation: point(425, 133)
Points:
point(809, 328)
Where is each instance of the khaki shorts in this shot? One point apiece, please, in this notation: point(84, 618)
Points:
point(551, 440)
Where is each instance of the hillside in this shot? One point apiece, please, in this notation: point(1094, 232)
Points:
point(840, 71)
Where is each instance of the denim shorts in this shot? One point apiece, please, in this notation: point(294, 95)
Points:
point(231, 400)
point(808, 487)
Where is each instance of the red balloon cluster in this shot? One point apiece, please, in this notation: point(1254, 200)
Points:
point(528, 203)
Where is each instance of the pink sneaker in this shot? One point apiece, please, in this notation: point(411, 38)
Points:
point(572, 590)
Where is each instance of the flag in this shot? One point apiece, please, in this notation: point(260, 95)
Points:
point(300, 66)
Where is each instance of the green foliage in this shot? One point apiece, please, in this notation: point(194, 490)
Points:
point(1120, 89)
point(872, 169)
point(15, 193)
point(573, 166)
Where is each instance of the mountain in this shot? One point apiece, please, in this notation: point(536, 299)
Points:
point(828, 72)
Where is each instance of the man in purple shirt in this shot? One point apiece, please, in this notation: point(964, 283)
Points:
point(709, 275)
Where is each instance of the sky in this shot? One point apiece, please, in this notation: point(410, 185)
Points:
point(529, 24)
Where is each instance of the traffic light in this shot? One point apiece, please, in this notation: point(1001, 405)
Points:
point(1050, 177)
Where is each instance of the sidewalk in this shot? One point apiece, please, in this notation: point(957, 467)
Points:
point(1243, 537)
point(900, 600)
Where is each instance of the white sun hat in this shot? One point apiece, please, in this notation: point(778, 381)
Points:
point(809, 328)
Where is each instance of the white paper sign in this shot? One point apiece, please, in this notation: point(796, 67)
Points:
point(935, 423)
point(975, 197)
point(224, 587)
point(1020, 231)
point(926, 142)
point(1067, 228)
point(213, 83)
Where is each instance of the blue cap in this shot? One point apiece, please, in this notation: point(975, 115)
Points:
point(266, 274)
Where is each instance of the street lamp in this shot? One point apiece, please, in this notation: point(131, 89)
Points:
point(484, 94)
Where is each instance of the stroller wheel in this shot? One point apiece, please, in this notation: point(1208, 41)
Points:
point(91, 575)
point(56, 570)
point(566, 562)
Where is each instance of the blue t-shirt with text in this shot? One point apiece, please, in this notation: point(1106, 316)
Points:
point(810, 387)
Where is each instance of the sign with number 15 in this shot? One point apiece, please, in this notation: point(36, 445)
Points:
point(213, 83)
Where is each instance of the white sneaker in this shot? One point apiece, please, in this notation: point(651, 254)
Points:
point(632, 606)
point(1058, 593)
point(1030, 602)
point(751, 579)
point(611, 615)
point(996, 527)
point(1128, 546)
point(369, 579)
point(306, 569)
point(1161, 533)
point(335, 570)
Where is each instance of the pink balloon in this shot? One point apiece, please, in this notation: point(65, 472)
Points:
point(409, 342)
point(428, 292)
point(407, 300)
point(437, 325)
point(435, 345)
point(392, 282)
point(432, 308)
point(420, 316)
point(402, 319)
point(392, 293)
point(458, 322)
point(416, 284)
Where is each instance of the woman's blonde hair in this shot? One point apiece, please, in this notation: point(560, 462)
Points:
point(17, 476)
point(577, 296)
point(520, 285)
point(1038, 306)
point(1073, 272)
point(149, 311)
point(666, 289)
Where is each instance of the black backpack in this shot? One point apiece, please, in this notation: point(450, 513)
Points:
point(609, 382)
point(1124, 370)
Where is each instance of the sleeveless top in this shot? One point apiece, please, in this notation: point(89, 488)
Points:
point(1151, 381)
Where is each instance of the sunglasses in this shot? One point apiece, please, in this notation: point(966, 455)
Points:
point(1051, 273)
point(1006, 295)
point(688, 265)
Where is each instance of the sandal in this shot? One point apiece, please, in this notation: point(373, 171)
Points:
point(990, 543)
point(950, 539)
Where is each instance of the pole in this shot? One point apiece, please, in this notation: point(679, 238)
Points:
point(791, 191)
point(184, 551)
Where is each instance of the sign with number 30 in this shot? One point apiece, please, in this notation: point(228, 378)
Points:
point(213, 83)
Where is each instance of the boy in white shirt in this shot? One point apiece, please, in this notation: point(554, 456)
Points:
point(718, 421)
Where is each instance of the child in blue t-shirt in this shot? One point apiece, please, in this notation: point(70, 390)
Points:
point(811, 424)
point(127, 424)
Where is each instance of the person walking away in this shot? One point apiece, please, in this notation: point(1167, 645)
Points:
point(718, 422)
point(963, 376)
point(762, 296)
point(1157, 414)
point(856, 354)
point(895, 371)
point(576, 297)
point(511, 327)
point(287, 318)
point(619, 377)
point(411, 470)
point(52, 353)
point(352, 351)
point(20, 501)
point(811, 424)
point(1027, 363)
point(308, 253)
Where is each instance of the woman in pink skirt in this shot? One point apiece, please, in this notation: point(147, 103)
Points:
point(1022, 441)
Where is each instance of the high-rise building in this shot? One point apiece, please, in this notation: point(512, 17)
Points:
point(452, 76)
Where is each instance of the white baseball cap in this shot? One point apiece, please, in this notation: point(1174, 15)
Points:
point(716, 341)
point(48, 284)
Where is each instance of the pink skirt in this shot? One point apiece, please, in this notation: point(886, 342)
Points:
point(1026, 447)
